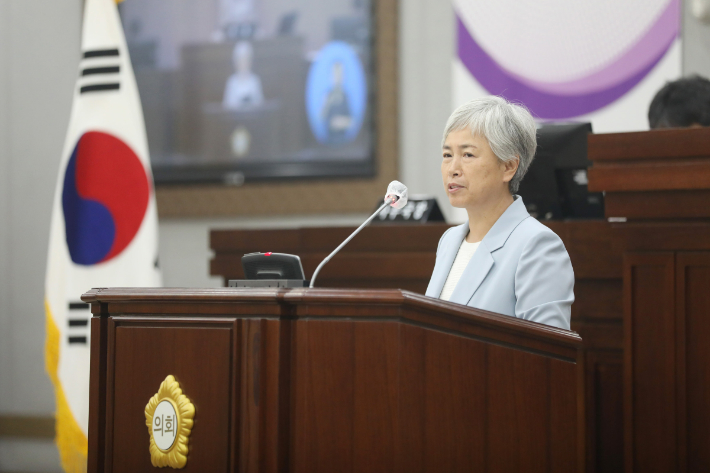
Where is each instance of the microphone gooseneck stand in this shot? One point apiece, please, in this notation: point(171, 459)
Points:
point(364, 224)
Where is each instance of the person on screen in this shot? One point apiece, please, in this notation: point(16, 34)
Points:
point(680, 104)
point(243, 89)
point(336, 110)
point(501, 260)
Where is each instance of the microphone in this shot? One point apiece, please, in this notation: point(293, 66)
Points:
point(399, 191)
point(396, 196)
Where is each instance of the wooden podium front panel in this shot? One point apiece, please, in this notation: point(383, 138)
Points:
point(650, 421)
point(340, 371)
point(693, 348)
point(429, 387)
point(325, 380)
point(431, 412)
point(668, 381)
point(199, 354)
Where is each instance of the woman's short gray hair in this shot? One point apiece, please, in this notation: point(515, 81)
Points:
point(509, 128)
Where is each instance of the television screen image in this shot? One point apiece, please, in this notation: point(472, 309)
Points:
point(243, 90)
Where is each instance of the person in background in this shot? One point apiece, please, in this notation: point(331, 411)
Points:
point(336, 109)
point(680, 104)
point(243, 89)
point(501, 260)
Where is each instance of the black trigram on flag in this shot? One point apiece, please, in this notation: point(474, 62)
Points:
point(100, 71)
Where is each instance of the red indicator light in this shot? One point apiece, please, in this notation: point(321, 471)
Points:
point(268, 253)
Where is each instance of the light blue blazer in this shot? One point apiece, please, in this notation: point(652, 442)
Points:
point(521, 268)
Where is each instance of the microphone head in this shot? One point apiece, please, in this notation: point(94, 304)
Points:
point(399, 191)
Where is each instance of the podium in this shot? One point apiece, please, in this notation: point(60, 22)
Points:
point(324, 380)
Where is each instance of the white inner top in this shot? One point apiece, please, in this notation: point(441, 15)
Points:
point(466, 251)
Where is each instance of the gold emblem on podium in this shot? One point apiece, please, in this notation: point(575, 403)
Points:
point(169, 416)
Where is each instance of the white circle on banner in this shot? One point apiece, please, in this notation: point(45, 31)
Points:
point(165, 425)
point(557, 40)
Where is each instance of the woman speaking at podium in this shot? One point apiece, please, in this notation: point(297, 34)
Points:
point(501, 260)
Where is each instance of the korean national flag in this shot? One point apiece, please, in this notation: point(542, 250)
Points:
point(104, 220)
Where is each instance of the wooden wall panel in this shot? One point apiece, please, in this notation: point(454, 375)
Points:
point(412, 422)
point(274, 387)
point(598, 300)
point(697, 364)
point(690, 235)
point(660, 160)
point(591, 247)
point(675, 204)
point(494, 401)
point(525, 406)
point(569, 429)
point(333, 391)
point(454, 361)
point(597, 317)
point(693, 317)
point(400, 256)
point(684, 174)
point(376, 377)
point(250, 374)
point(604, 410)
point(97, 393)
point(324, 390)
point(669, 144)
point(667, 377)
point(410, 265)
point(650, 362)
point(431, 410)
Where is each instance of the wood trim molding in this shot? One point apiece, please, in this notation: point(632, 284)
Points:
point(312, 196)
point(668, 144)
point(31, 427)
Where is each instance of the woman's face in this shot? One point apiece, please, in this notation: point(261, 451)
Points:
point(473, 176)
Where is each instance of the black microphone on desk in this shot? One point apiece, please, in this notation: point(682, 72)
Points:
point(396, 196)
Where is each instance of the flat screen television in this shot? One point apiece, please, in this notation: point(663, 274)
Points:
point(246, 90)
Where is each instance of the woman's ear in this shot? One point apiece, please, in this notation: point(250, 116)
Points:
point(510, 168)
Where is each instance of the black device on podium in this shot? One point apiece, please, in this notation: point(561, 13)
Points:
point(271, 270)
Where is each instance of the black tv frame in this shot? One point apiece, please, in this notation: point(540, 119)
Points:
point(240, 173)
